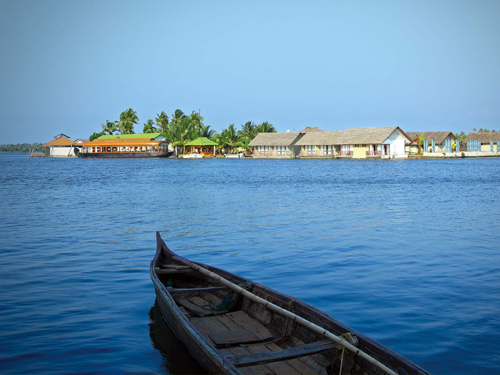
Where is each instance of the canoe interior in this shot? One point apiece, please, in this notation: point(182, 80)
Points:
point(251, 339)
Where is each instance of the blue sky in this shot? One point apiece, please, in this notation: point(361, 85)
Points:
point(68, 66)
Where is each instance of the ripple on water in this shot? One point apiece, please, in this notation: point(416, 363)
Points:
point(406, 252)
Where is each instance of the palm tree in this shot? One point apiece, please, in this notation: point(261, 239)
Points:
point(181, 132)
point(149, 127)
point(127, 120)
point(266, 127)
point(207, 132)
point(420, 142)
point(162, 121)
point(247, 133)
point(197, 120)
point(109, 128)
point(177, 116)
point(230, 138)
point(221, 142)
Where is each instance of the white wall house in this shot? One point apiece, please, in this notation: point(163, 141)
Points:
point(61, 146)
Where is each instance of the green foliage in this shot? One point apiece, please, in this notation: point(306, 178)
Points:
point(485, 131)
point(183, 128)
point(162, 121)
point(109, 128)
point(420, 142)
point(21, 147)
point(461, 137)
point(128, 119)
point(207, 132)
point(149, 127)
point(266, 127)
point(95, 135)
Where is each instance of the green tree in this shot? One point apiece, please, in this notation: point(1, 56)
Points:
point(207, 132)
point(197, 120)
point(420, 142)
point(461, 137)
point(181, 132)
point(128, 119)
point(96, 135)
point(149, 127)
point(177, 116)
point(266, 127)
point(109, 128)
point(246, 134)
point(230, 138)
point(162, 121)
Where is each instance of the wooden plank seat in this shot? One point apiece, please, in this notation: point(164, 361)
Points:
point(282, 355)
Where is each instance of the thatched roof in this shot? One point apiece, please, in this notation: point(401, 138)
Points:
point(485, 138)
point(438, 137)
point(310, 129)
point(321, 138)
point(274, 139)
point(349, 136)
point(61, 141)
point(370, 135)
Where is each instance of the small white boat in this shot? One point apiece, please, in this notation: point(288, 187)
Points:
point(234, 156)
point(192, 156)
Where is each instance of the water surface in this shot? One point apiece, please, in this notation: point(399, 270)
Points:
point(407, 252)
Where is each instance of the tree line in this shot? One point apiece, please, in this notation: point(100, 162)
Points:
point(180, 129)
point(21, 147)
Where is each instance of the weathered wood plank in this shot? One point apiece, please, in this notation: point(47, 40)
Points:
point(234, 337)
point(192, 308)
point(250, 370)
point(244, 320)
point(229, 323)
point(276, 367)
point(281, 355)
point(300, 364)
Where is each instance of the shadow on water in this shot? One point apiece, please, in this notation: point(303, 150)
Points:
point(175, 356)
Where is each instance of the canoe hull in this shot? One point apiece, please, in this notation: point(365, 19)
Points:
point(214, 362)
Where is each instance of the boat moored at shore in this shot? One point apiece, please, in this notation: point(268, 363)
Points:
point(144, 145)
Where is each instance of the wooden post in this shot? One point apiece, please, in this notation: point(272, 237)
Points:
point(491, 145)
point(433, 146)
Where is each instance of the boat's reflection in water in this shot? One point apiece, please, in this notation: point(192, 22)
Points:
point(176, 358)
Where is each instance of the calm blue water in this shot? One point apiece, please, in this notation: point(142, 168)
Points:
point(407, 252)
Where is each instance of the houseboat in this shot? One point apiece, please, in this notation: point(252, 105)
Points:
point(144, 145)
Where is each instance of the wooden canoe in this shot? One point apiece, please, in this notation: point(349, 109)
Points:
point(233, 326)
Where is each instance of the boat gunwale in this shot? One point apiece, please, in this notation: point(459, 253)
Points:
point(210, 350)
